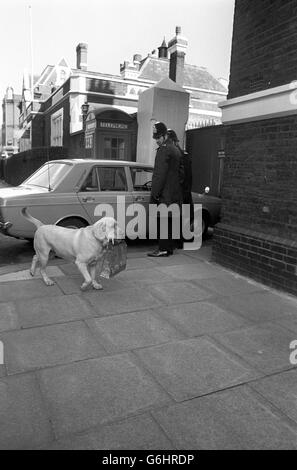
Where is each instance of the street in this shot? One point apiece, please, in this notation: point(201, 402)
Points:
point(13, 251)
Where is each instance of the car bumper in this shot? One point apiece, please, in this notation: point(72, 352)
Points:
point(4, 226)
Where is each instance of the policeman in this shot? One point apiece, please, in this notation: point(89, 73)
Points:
point(166, 185)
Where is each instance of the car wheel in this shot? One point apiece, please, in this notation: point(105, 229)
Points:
point(72, 222)
point(205, 224)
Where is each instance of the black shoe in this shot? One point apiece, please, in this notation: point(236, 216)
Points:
point(158, 253)
point(170, 252)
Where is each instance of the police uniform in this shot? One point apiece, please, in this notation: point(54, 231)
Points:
point(166, 189)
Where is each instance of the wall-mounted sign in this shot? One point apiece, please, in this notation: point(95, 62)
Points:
point(113, 125)
point(91, 125)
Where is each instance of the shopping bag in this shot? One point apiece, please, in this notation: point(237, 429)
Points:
point(115, 259)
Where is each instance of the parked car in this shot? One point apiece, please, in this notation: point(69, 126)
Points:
point(66, 193)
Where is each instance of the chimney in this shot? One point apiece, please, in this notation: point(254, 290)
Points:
point(137, 58)
point(163, 50)
point(177, 49)
point(82, 56)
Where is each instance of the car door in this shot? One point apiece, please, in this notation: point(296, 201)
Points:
point(141, 190)
point(106, 185)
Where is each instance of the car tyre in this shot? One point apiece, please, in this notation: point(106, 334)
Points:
point(72, 222)
point(205, 224)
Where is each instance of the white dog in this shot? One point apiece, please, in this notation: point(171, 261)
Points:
point(84, 246)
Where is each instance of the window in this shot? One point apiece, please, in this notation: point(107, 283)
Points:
point(114, 148)
point(57, 129)
point(112, 178)
point(91, 183)
point(141, 178)
point(89, 141)
point(49, 175)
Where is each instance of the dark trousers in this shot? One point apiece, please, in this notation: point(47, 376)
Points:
point(168, 243)
point(180, 243)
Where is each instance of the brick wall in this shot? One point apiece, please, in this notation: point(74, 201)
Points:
point(258, 233)
point(21, 165)
point(268, 259)
point(264, 45)
point(260, 175)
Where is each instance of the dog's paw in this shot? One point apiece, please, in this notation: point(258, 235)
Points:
point(85, 286)
point(97, 286)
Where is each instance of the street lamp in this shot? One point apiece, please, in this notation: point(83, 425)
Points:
point(84, 111)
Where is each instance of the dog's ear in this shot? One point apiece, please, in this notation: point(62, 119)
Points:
point(99, 229)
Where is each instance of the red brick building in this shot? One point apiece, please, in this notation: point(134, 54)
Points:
point(258, 233)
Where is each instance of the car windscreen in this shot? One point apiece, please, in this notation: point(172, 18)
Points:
point(49, 175)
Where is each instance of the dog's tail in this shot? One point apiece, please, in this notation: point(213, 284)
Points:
point(29, 217)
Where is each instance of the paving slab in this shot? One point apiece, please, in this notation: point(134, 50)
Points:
point(27, 290)
point(45, 311)
point(204, 253)
point(8, 317)
point(178, 292)
point(187, 272)
point(195, 367)
point(52, 271)
point(70, 269)
point(97, 391)
point(137, 433)
point(71, 285)
point(122, 301)
point(143, 277)
point(228, 284)
point(48, 345)
point(259, 306)
point(15, 266)
point(24, 423)
point(236, 419)
point(178, 258)
point(132, 330)
point(139, 262)
point(281, 390)
point(142, 262)
point(265, 346)
point(200, 318)
point(2, 370)
point(288, 321)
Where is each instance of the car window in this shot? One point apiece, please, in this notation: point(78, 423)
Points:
point(141, 179)
point(91, 182)
point(112, 178)
point(49, 175)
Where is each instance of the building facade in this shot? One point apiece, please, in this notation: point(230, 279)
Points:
point(258, 232)
point(55, 118)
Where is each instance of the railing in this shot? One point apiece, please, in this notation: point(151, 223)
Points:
point(16, 168)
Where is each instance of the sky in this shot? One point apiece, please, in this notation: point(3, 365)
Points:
point(114, 30)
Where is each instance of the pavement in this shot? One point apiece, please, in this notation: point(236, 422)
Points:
point(174, 353)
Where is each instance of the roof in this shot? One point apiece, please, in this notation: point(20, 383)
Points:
point(98, 109)
point(154, 69)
